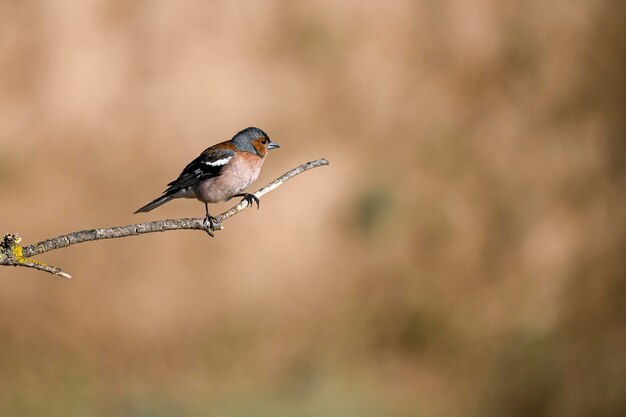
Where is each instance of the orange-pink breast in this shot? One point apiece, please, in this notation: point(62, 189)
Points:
point(236, 176)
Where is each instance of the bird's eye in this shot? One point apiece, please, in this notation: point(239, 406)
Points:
point(264, 141)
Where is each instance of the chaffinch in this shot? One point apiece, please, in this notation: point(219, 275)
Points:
point(220, 173)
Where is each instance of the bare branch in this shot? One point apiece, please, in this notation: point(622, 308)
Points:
point(43, 267)
point(13, 254)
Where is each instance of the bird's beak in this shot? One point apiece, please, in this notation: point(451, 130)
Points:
point(272, 145)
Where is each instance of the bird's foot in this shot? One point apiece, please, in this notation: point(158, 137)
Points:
point(211, 224)
point(250, 198)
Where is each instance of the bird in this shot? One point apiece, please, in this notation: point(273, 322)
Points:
point(219, 173)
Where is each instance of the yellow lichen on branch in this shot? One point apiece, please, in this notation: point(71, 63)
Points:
point(12, 254)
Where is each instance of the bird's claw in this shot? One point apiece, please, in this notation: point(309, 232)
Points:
point(251, 198)
point(211, 224)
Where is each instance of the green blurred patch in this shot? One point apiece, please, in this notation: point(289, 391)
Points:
point(315, 41)
point(373, 209)
point(389, 318)
point(152, 404)
point(331, 395)
point(61, 394)
point(418, 330)
point(328, 394)
point(405, 330)
point(447, 153)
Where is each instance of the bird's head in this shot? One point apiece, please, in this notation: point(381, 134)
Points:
point(254, 140)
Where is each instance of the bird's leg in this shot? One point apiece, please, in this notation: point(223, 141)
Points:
point(250, 198)
point(209, 221)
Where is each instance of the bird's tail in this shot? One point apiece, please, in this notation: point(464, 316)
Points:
point(156, 203)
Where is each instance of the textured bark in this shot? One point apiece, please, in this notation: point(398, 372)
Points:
point(11, 254)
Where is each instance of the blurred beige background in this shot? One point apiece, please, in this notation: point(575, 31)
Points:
point(463, 254)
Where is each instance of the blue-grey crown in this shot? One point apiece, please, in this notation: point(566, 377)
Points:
point(250, 134)
point(243, 140)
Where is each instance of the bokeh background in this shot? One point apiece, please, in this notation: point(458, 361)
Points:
point(463, 255)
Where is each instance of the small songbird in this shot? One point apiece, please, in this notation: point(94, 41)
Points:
point(220, 173)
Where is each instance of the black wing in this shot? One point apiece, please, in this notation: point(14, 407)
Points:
point(208, 165)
